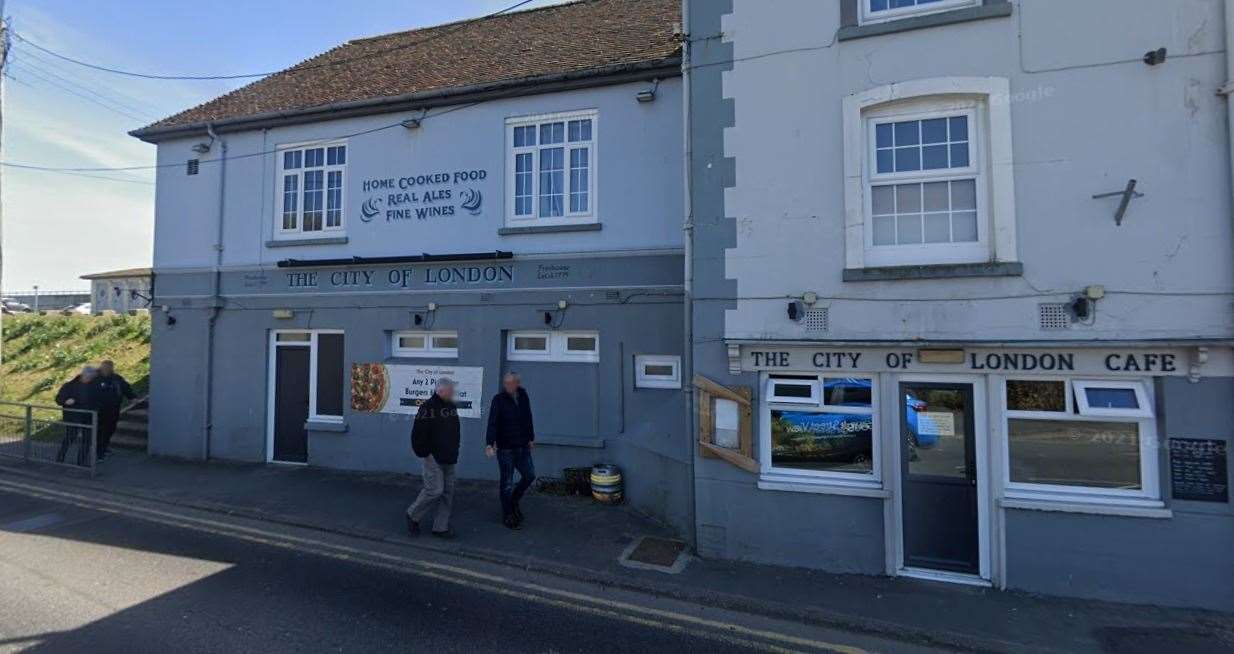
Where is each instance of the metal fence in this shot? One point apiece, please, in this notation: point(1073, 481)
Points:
point(49, 434)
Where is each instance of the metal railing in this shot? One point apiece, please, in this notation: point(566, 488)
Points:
point(49, 434)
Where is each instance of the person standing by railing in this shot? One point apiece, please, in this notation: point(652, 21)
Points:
point(78, 396)
point(112, 391)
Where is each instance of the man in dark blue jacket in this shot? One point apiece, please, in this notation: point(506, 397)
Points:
point(511, 436)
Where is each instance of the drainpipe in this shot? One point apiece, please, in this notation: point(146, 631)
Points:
point(687, 228)
point(215, 304)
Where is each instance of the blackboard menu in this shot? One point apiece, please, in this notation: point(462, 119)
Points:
point(1198, 470)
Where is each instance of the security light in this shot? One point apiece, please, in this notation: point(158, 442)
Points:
point(648, 95)
point(201, 148)
point(411, 123)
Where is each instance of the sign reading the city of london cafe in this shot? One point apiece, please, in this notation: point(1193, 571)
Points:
point(425, 196)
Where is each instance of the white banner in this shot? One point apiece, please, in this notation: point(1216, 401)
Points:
point(402, 388)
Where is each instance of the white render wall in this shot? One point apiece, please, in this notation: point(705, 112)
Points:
point(638, 173)
point(1087, 114)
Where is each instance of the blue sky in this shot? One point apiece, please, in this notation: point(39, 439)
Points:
point(58, 227)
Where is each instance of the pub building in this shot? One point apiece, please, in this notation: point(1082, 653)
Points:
point(500, 194)
point(950, 320)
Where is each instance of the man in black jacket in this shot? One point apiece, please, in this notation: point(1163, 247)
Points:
point(78, 396)
point(435, 439)
point(112, 390)
point(511, 436)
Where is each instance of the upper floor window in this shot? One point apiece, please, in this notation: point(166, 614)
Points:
point(929, 169)
point(310, 197)
point(551, 160)
point(873, 11)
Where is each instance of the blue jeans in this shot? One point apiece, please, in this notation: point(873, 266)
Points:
point(518, 458)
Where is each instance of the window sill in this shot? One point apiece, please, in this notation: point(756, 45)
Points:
point(822, 487)
point(989, 9)
point(1146, 509)
point(326, 426)
point(549, 229)
point(570, 441)
point(296, 242)
point(942, 271)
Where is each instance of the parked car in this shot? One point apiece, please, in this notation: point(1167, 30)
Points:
point(77, 309)
point(13, 306)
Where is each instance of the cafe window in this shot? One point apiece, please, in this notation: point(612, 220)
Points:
point(1081, 440)
point(552, 168)
point(309, 188)
point(657, 371)
point(573, 346)
point(822, 427)
point(326, 374)
point(439, 344)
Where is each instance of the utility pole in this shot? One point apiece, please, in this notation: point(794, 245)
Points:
point(4, 56)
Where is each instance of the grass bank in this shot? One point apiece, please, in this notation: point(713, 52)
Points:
point(42, 352)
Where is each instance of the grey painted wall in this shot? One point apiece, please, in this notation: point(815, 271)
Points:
point(766, 92)
point(585, 413)
point(638, 176)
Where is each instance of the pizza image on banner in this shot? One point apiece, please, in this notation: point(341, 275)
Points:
point(370, 386)
point(402, 388)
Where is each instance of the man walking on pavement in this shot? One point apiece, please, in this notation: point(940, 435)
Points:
point(435, 439)
point(511, 437)
point(78, 396)
point(112, 391)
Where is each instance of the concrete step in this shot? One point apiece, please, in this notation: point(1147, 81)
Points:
point(128, 442)
point(136, 415)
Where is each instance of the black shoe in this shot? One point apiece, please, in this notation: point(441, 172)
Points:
point(447, 534)
point(518, 514)
point(511, 522)
point(413, 527)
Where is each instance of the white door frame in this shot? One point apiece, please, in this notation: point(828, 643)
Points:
point(894, 509)
point(272, 381)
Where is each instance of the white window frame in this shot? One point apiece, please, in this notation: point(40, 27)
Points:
point(1081, 387)
point(568, 217)
point(298, 232)
point(556, 342)
point(312, 342)
point(984, 99)
point(840, 481)
point(644, 380)
point(814, 385)
point(430, 349)
point(1149, 493)
point(866, 17)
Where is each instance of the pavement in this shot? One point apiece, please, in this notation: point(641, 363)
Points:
point(573, 539)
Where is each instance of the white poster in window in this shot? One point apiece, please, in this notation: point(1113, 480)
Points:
point(402, 388)
point(727, 420)
point(935, 423)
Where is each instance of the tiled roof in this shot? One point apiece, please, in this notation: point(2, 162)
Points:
point(573, 38)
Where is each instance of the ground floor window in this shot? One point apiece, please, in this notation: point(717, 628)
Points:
point(821, 426)
point(579, 346)
point(1083, 440)
point(657, 371)
point(438, 344)
point(326, 370)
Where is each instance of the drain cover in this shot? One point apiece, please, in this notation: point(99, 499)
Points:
point(1150, 640)
point(652, 553)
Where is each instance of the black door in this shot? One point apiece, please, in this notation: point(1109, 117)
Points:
point(939, 473)
point(291, 403)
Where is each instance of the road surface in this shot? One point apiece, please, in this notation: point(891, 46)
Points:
point(101, 573)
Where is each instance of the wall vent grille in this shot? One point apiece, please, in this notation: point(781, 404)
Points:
point(1053, 315)
point(816, 320)
point(192, 167)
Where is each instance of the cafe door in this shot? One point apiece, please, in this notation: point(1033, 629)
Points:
point(940, 510)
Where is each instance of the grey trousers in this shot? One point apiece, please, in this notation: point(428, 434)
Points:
point(438, 492)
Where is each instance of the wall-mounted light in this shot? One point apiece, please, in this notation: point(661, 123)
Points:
point(548, 317)
point(203, 147)
point(648, 95)
point(795, 311)
point(283, 314)
point(1154, 57)
point(411, 123)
